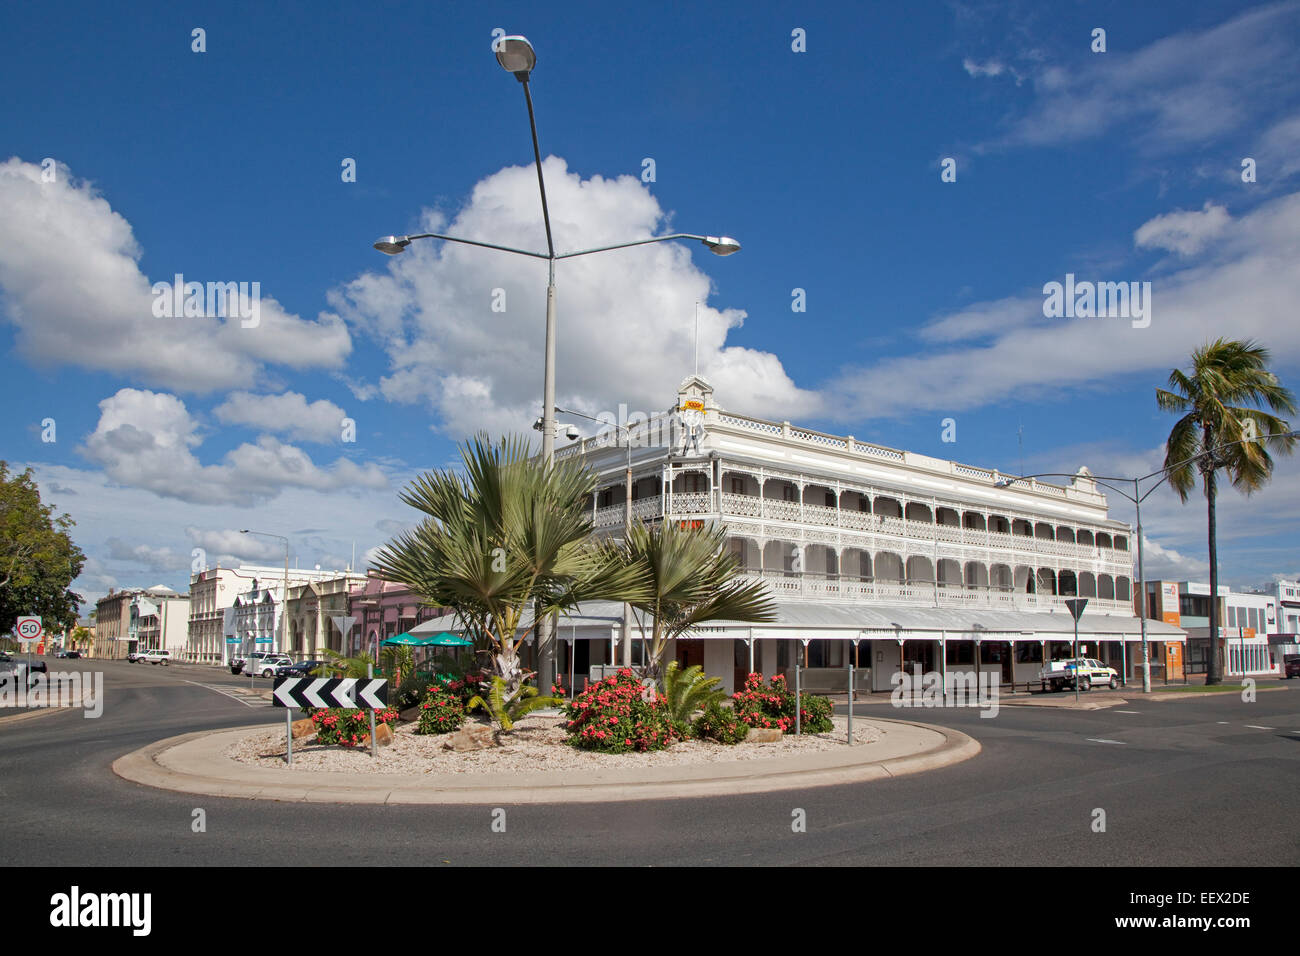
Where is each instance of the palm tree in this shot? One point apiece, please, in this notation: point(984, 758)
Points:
point(505, 536)
point(1225, 377)
point(689, 578)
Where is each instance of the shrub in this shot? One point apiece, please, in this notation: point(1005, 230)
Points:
point(504, 713)
point(720, 724)
point(441, 712)
point(614, 716)
point(688, 691)
point(347, 727)
point(773, 706)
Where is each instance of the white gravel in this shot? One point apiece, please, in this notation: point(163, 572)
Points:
point(536, 743)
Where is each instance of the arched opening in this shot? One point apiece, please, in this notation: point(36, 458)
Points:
point(1024, 580)
point(1084, 537)
point(1001, 578)
point(1022, 528)
point(977, 575)
point(949, 573)
point(739, 483)
point(1067, 585)
point(855, 565)
point(973, 521)
point(948, 517)
point(1065, 533)
point(1043, 531)
point(888, 567)
point(1046, 581)
point(919, 570)
point(854, 501)
point(1122, 592)
point(779, 556)
point(1103, 540)
point(819, 496)
point(998, 524)
point(887, 507)
point(1105, 587)
point(919, 512)
point(1121, 543)
point(745, 553)
point(1087, 584)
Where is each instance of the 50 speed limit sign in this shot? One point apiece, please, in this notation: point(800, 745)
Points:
point(29, 629)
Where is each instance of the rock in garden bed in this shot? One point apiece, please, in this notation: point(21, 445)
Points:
point(536, 744)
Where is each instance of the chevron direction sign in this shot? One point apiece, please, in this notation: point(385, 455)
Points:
point(351, 692)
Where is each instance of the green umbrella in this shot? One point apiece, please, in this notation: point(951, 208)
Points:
point(434, 640)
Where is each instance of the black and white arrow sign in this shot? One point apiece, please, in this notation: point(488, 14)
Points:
point(348, 692)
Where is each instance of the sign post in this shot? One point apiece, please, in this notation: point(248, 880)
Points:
point(1076, 606)
point(348, 692)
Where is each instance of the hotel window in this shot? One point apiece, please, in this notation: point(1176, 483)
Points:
point(693, 482)
point(737, 485)
point(788, 492)
point(1254, 619)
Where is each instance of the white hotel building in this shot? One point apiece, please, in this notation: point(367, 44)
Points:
point(876, 556)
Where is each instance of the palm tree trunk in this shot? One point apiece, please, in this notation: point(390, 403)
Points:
point(1214, 667)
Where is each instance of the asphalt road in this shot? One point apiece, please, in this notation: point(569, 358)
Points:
point(1209, 780)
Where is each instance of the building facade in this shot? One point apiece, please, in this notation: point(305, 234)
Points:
point(879, 557)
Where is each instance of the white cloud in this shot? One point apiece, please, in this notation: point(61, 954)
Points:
point(1245, 284)
point(230, 543)
point(1184, 89)
point(146, 440)
point(1183, 231)
point(74, 292)
point(625, 318)
point(991, 67)
point(290, 414)
point(152, 558)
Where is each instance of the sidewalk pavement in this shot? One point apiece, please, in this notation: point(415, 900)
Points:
point(195, 763)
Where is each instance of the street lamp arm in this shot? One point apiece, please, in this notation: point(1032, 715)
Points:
point(721, 245)
point(405, 240)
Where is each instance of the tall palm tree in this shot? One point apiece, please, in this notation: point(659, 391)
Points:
point(689, 578)
point(506, 535)
point(1225, 378)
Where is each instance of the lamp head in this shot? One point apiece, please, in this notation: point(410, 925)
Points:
point(516, 55)
point(392, 245)
point(721, 245)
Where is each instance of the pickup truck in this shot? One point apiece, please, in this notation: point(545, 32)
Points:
point(1059, 675)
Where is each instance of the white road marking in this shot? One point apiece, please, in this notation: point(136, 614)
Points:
point(1128, 711)
point(255, 702)
point(1103, 740)
point(1220, 721)
point(1257, 727)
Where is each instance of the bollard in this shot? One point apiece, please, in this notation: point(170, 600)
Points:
point(288, 734)
point(798, 703)
point(850, 705)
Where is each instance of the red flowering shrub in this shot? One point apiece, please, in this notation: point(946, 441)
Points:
point(773, 706)
point(613, 716)
point(347, 727)
point(442, 710)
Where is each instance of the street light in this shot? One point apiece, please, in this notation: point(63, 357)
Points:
point(1137, 498)
point(284, 599)
point(517, 56)
point(627, 528)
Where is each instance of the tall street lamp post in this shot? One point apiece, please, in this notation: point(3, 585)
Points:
point(284, 597)
point(1137, 498)
point(516, 55)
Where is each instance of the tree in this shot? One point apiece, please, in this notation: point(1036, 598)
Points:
point(505, 536)
point(1226, 377)
point(38, 559)
point(689, 578)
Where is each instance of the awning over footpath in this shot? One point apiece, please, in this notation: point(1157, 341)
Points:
point(827, 620)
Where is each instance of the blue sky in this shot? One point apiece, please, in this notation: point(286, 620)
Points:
point(923, 297)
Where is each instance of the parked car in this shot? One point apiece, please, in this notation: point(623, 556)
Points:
point(20, 667)
point(300, 669)
point(73, 655)
point(1291, 666)
point(156, 656)
point(1090, 673)
point(264, 664)
point(134, 656)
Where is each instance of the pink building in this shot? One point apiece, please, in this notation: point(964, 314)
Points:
point(383, 609)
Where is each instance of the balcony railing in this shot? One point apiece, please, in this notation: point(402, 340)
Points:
point(924, 593)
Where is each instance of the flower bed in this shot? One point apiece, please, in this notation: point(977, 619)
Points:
point(773, 706)
point(347, 727)
point(442, 710)
point(617, 715)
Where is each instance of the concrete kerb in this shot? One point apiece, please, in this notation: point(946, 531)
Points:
point(196, 763)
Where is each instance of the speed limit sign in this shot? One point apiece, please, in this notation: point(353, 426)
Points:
point(30, 629)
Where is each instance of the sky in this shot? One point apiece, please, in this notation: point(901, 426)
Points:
point(905, 181)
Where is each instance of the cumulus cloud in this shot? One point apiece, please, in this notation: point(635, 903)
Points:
point(90, 305)
point(989, 68)
point(229, 542)
point(1247, 274)
point(289, 414)
point(152, 558)
point(1183, 231)
point(463, 327)
point(147, 440)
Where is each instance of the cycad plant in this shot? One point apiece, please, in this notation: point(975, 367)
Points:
point(689, 691)
point(505, 711)
point(688, 578)
point(502, 536)
point(1215, 433)
point(398, 661)
point(340, 665)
